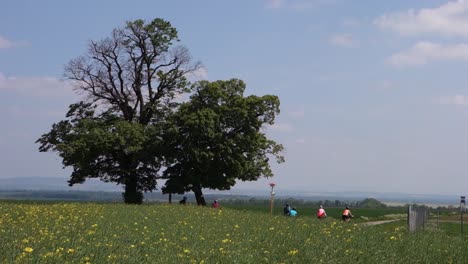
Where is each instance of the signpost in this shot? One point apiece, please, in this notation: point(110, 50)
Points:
point(272, 195)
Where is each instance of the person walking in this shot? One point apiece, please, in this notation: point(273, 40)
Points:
point(321, 214)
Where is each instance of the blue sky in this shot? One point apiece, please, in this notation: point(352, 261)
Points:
point(374, 94)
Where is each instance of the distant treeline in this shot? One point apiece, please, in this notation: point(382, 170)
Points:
point(60, 195)
point(89, 196)
point(366, 203)
point(159, 197)
point(225, 199)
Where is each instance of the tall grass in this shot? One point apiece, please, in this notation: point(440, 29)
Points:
point(118, 233)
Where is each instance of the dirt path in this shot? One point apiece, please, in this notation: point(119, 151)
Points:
point(379, 222)
point(432, 221)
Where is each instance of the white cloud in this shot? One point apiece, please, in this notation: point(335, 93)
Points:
point(35, 86)
point(296, 4)
point(454, 100)
point(282, 127)
point(343, 40)
point(5, 43)
point(423, 52)
point(8, 44)
point(450, 19)
point(274, 3)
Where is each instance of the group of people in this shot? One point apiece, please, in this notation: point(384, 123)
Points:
point(289, 211)
point(321, 213)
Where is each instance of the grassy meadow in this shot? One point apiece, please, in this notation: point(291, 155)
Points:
point(64, 232)
point(360, 214)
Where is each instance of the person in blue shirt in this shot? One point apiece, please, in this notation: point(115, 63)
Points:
point(293, 212)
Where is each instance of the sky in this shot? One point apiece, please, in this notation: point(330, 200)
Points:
point(374, 94)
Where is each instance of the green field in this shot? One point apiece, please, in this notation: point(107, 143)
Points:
point(61, 232)
point(361, 214)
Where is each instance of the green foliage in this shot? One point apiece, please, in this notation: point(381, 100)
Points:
point(100, 147)
point(371, 203)
point(453, 228)
point(118, 233)
point(129, 82)
point(218, 138)
point(159, 33)
point(130, 124)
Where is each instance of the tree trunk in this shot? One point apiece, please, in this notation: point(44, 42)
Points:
point(131, 194)
point(170, 197)
point(199, 196)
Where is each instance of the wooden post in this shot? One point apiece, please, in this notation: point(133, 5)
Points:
point(271, 205)
point(272, 194)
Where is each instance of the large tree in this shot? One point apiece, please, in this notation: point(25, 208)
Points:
point(218, 138)
point(129, 81)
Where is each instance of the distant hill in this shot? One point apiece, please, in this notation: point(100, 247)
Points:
point(371, 203)
point(56, 184)
point(95, 185)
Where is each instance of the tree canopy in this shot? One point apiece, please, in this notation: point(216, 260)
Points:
point(218, 139)
point(133, 127)
point(129, 81)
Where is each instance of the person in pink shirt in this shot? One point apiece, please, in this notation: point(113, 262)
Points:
point(321, 214)
point(215, 204)
point(346, 215)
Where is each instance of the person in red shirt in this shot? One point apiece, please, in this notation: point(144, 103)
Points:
point(321, 214)
point(215, 204)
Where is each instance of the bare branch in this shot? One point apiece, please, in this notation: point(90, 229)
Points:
point(134, 69)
